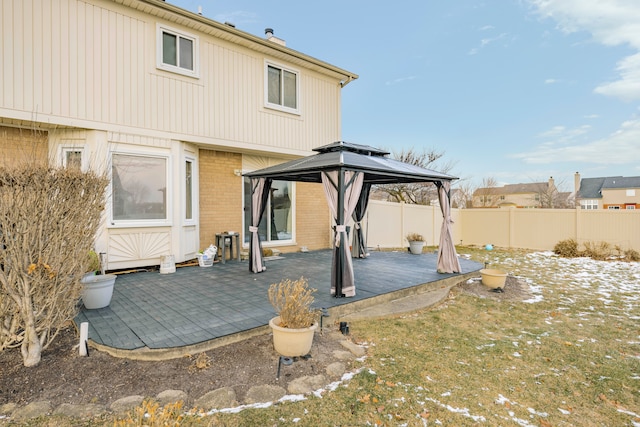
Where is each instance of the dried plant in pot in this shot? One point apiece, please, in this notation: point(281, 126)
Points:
point(97, 287)
point(416, 243)
point(294, 326)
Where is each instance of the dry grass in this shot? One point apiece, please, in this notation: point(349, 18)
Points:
point(570, 356)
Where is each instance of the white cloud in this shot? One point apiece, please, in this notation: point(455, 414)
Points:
point(238, 17)
point(611, 23)
point(551, 81)
point(619, 148)
point(562, 135)
point(400, 80)
point(628, 87)
point(487, 27)
point(485, 42)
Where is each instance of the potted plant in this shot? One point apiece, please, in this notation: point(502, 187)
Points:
point(97, 288)
point(416, 243)
point(294, 326)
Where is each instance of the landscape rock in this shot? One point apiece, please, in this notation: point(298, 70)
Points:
point(336, 369)
point(217, 399)
point(342, 355)
point(126, 403)
point(87, 410)
point(355, 349)
point(32, 410)
point(7, 408)
point(265, 393)
point(171, 396)
point(307, 384)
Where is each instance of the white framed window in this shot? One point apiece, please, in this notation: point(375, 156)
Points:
point(613, 207)
point(631, 207)
point(177, 52)
point(73, 158)
point(139, 186)
point(589, 204)
point(281, 88)
point(631, 192)
point(189, 199)
point(277, 223)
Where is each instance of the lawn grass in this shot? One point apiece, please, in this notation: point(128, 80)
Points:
point(569, 356)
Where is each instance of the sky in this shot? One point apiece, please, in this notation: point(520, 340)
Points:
point(514, 90)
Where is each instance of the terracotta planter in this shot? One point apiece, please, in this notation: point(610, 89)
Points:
point(493, 278)
point(415, 247)
point(97, 290)
point(292, 342)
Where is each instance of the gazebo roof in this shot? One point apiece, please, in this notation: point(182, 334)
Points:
point(373, 162)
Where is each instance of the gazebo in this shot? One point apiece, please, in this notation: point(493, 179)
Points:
point(347, 171)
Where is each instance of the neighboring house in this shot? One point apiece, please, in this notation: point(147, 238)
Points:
point(614, 192)
point(174, 107)
point(531, 195)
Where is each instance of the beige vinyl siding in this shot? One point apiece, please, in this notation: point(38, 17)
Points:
point(93, 64)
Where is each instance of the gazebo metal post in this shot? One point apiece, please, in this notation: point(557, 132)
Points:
point(341, 250)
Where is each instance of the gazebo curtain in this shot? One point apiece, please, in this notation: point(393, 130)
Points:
point(342, 189)
point(259, 196)
point(359, 247)
point(447, 257)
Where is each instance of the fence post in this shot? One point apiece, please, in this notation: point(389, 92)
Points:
point(512, 228)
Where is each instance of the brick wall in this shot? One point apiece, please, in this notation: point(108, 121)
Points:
point(221, 203)
point(312, 216)
point(220, 194)
point(22, 145)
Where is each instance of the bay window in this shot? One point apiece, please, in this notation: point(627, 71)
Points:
point(139, 187)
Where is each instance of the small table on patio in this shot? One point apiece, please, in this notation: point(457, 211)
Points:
point(221, 243)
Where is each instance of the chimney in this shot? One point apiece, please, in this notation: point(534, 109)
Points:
point(552, 183)
point(268, 33)
point(576, 183)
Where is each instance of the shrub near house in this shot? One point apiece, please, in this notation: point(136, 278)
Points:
point(48, 218)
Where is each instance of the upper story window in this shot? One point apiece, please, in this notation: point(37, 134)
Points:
point(589, 204)
point(177, 52)
point(281, 88)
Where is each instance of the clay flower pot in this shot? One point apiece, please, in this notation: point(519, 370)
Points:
point(492, 278)
point(292, 342)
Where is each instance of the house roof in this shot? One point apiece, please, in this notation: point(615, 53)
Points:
point(534, 187)
point(591, 188)
point(228, 32)
point(377, 167)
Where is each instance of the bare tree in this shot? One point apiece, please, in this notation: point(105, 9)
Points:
point(486, 196)
point(550, 197)
point(464, 194)
point(421, 193)
point(48, 221)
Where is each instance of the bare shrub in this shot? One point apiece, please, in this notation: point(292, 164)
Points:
point(597, 250)
point(567, 248)
point(631, 255)
point(292, 301)
point(48, 221)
